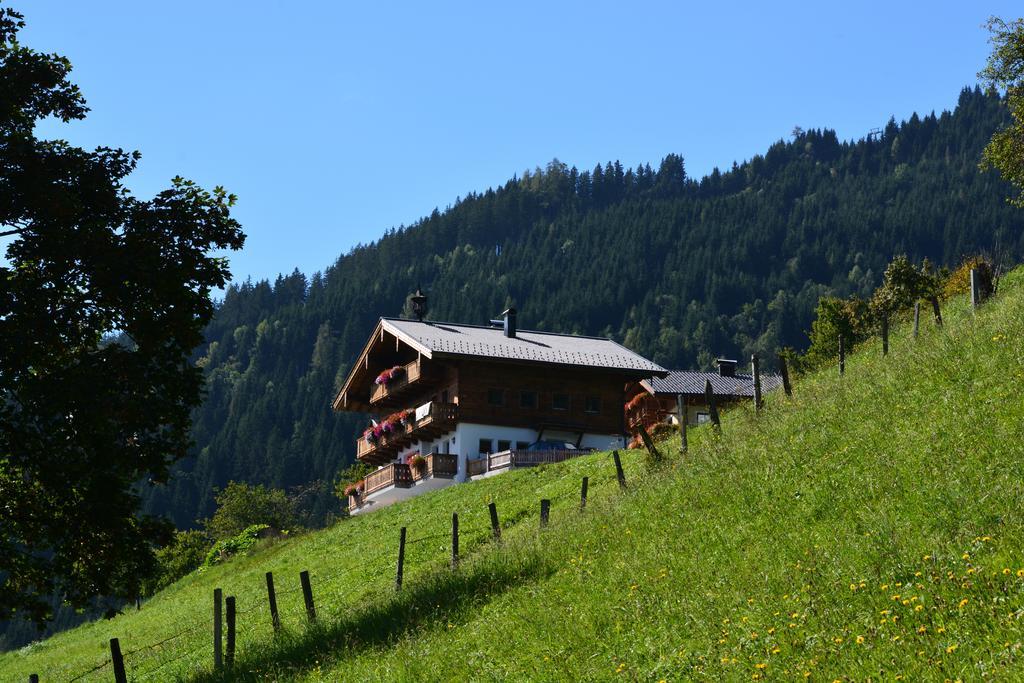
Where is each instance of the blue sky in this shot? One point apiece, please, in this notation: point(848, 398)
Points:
point(333, 121)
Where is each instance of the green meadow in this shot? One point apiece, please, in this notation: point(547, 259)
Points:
point(868, 528)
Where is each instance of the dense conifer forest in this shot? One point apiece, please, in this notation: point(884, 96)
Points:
point(677, 268)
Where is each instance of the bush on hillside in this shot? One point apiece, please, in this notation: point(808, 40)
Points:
point(851, 318)
point(229, 547)
point(240, 506)
point(959, 281)
point(902, 285)
point(182, 556)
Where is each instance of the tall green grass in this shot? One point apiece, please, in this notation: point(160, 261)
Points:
point(869, 527)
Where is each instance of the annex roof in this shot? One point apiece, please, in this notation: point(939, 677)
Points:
point(439, 339)
point(682, 382)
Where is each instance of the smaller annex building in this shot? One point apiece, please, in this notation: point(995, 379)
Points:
point(653, 401)
point(452, 401)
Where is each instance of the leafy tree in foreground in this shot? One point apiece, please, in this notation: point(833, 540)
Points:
point(1005, 69)
point(82, 421)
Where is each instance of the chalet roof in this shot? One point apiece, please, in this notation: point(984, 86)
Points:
point(681, 382)
point(448, 339)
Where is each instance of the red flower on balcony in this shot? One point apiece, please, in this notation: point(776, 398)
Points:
point(390, 374)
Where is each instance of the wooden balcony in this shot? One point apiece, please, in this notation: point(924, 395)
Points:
point(432, 420)
point(514, 458)
point(437, 465)
point(390, 395)
point(395, 474)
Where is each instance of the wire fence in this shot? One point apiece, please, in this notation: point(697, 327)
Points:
point(377, 570)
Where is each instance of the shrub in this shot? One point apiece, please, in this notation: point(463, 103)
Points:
point(229, 547)
point(182, 556)
point(849, 317)
point(902, 285)
point(239, 506)
point(959, 281)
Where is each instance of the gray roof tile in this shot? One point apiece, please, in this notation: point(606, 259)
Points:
point(680, 382)
point(542, 347)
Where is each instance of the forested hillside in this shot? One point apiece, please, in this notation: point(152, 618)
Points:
point(676, 268)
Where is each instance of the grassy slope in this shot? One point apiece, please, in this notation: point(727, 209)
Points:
point(871, 526)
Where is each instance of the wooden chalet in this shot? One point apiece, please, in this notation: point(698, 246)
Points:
point(451, 401)
point(653, 401)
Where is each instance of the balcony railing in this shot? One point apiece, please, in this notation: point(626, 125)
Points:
point(403, 475)
point(383, 393)
point(395, 474)
point(430, 421)
point(441, 465)
point(516, 458)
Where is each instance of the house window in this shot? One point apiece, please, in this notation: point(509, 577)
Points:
point(703, 417)
point(560, 402)
point(485, 446)
point(496, 397)
point(522, 445)
point(504, 445)
point(593, 404)
point(528, 399)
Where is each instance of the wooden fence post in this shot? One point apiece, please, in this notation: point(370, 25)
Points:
point(495, 527)
point(272, 599)
point(784, 371)
point(917, 317)
point(455, 540)
point(936, 311)
point(117, 661)
point(885, 335)
point(681, 410)
point(649, 444)
point(218, 641)
point(33, 678)
point(545, 511)
point(975, 292)
point(401, 559)
point(842, 356)
point(307, 596)
point(618, 470)
point(229, 607)
point(755, 370)
point(709, 398)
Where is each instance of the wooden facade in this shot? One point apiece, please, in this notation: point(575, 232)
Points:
point(568, 398)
